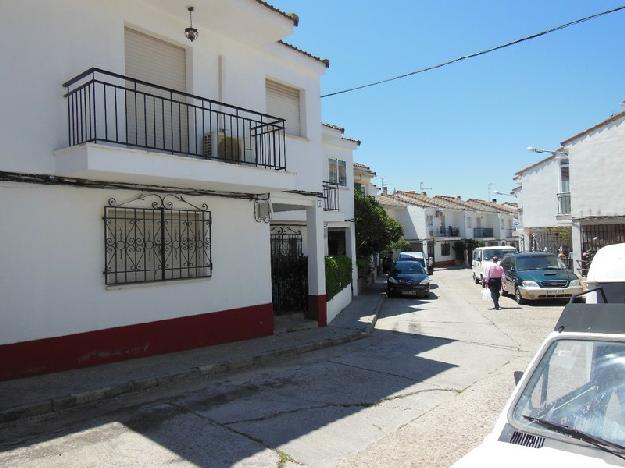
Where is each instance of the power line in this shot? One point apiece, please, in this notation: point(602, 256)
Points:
point(482, 52)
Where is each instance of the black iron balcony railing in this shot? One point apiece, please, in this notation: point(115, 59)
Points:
point(564, 203)
point(482, 232)
point(106, 107)
point(330, 196)
point(448, 231)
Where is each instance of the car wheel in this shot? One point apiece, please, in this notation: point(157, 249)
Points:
point(518, 298)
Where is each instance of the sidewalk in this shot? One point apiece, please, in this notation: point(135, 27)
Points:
point(50, 393)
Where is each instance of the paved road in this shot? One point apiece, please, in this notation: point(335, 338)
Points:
point(423, 390)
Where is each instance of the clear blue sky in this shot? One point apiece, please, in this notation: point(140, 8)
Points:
point(468, 124)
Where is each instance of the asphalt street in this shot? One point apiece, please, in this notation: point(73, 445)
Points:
point(422, 390)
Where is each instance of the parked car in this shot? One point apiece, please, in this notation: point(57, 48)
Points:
point(483, 258)
point(607, 271)
point(537, 275)
point(408, 277)
point(419, 257)
point(567, 408)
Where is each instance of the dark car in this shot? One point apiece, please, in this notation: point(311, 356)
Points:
point(537, 275)
point(408, 277)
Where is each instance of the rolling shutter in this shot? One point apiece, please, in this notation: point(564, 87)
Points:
point(155, 61)
point(284, 101)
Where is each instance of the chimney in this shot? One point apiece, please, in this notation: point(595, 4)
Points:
point(425, 194)
point(494, 200)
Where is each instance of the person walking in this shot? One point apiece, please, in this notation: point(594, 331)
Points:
point(492, 280)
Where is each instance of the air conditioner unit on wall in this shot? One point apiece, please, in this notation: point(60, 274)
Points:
point(218, 145)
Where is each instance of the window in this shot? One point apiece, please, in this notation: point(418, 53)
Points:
point(445, 249)
point(145, 244)
point(337, 172)
point(284, 102)
point(429, 220)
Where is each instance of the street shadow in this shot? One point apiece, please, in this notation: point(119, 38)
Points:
point(235, 417)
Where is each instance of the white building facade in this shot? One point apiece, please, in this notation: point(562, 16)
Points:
point(139, 170)
point(441, 224)
point(544, 199)
point(597, 160)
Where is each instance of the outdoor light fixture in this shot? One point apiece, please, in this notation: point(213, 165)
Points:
point(531, 149)
point(190, 32)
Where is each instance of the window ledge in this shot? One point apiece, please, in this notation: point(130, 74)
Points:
point(151, 284)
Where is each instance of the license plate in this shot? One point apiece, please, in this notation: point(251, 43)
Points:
point(409, 293)
point(556, 292)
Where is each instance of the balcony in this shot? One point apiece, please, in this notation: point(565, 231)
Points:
point(330, 196)
point(448, 231)
point(110, 113)
point(482, 232)
point(564, 203)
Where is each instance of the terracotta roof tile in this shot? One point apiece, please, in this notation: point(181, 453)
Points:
point(335, 127)
point(326, 62)
point(501, 207)
point(292, 16)
point(390, 200)
point(607, 121)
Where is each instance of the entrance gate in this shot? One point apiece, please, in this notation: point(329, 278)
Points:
point(289, 271)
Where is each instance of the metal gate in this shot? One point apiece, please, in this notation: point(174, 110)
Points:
point(289, 271)
point(595, 236)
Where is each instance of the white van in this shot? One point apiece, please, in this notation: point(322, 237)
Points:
point(607, 271)
point(483, 258)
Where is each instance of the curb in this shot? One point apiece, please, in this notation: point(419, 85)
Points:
point(76, 400)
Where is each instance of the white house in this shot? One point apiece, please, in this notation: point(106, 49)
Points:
point(139, 171)
point(363, 180)
point(544, 199)
point(289, 228)
point(435, 224)
point(597, 161)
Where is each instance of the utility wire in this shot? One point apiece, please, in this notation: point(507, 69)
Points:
point(482, 52)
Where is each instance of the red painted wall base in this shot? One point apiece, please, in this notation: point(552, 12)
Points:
point(318, 307)
point(133, 341)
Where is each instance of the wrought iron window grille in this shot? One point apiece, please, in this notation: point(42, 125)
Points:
point(160, 242)
point(330, 196)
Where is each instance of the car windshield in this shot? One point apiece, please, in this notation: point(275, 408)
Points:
point(409, 268)
point(579, 385)
point(540, 262)
point(499, 253)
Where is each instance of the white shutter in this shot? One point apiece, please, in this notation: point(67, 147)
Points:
point(284, 101)
point(156, 61)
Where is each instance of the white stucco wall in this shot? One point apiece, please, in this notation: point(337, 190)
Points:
point(538, 195)
point(597, 164)
point(59, 47)
point(52, 281)
point(339, 302)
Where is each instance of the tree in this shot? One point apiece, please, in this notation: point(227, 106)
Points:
point(375, 230)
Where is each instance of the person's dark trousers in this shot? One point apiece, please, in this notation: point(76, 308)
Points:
point(494, 284)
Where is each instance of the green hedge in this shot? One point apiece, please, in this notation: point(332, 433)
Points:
point(338, 274)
